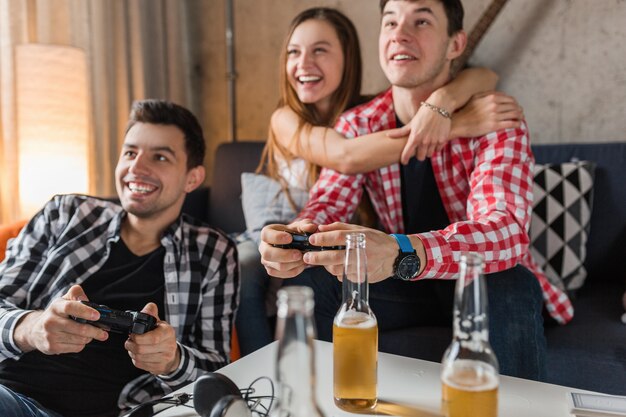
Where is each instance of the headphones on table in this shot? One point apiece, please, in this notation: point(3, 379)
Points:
point(214, 395)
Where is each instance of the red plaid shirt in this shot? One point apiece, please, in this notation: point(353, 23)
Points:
point(486, 186)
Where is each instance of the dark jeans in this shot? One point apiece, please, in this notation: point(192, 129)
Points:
point(18, 405)
point(515, 312)
point(253, 326)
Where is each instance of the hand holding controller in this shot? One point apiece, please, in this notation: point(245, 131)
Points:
point(119, 321)
point(300, 241)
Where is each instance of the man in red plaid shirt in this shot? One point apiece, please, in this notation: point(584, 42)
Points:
point(471, 195)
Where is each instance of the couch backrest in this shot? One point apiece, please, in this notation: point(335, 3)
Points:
point(606, 247)
point(231, 159)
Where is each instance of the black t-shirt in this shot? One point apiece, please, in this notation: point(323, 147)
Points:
point(422, 207)
point(88, 383)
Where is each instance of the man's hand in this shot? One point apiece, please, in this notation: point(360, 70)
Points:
point(155, 351)
point(381, 250)
point(427, 131)
point(487, 112)
point(283, 263)
point(53, 332)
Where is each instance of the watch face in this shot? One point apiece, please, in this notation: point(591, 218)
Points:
point(408, 267)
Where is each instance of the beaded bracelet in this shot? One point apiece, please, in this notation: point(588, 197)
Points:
point(436, 109)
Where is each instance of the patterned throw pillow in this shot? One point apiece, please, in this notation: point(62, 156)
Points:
point(563, 196)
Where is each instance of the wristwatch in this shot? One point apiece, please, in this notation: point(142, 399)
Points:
point(407, 264)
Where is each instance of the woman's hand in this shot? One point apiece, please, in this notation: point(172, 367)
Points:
point(428, 132)
point(487, 112)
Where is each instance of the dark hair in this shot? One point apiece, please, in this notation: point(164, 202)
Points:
point(162, 112)
point(454, 13)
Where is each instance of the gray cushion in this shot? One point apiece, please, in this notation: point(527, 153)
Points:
point(264, 202)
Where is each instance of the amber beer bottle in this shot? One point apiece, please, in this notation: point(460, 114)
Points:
point(355, 335)
point(469, 372)
point(295, 362)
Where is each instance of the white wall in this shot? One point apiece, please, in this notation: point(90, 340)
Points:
point(565, 61)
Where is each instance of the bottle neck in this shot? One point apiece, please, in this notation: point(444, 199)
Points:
point(470, 321)
point(355, 289)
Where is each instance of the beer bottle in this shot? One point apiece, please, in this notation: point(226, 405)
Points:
point(295, 364)
point(355, 335)
point(469, 369)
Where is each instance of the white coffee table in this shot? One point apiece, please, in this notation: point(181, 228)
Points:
point(406, 387)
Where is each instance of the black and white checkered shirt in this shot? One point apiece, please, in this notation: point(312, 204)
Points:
point(70, 239)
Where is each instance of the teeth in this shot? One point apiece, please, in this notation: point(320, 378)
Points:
point(140, 188)
point(308, 78)
point(402, 57)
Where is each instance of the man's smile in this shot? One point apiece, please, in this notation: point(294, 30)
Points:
point(142, 188)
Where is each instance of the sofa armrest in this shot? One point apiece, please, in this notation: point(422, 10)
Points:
point(8, 231)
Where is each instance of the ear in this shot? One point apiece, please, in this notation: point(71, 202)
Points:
point(457, 44)
point(195, 177)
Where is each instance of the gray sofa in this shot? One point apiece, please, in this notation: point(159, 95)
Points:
point(587, 353)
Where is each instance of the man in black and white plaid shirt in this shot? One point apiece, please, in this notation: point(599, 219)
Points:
point(142, 255)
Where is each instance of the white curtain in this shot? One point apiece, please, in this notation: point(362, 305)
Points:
point(135, 49)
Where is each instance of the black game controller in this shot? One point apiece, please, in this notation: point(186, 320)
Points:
point(300, 241)
point(119, 321)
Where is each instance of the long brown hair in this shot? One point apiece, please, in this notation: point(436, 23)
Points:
point(347, 94)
